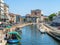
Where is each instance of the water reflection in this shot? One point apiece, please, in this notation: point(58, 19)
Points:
point(31, 36)
point(14, 44)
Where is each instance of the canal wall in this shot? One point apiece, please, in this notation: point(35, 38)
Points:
point(51, 31)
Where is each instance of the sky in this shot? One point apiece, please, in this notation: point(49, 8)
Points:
point(24, 7)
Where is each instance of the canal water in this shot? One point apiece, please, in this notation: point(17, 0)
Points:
point(32, 36)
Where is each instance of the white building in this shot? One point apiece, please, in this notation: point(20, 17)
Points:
point(4, 11)
point(1, 9)
point(56, 19)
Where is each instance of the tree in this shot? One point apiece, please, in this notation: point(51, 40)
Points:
point(51, 16)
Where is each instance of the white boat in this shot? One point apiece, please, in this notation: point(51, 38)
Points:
point(42, 30)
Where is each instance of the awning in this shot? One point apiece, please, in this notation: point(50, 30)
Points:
point(16, 33)
point(13, 32)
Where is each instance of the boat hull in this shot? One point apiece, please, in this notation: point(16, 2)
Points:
point(42, 31)
point(12, 41)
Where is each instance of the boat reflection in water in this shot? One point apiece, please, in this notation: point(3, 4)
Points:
point(14, 44)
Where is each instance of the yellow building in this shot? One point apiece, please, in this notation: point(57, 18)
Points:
point(12, 17)
point(15, 18)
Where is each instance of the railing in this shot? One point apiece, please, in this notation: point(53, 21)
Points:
point(52, 29)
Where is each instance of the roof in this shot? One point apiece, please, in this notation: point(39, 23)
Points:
point(16, 33)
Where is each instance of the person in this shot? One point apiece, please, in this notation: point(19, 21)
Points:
point(5, 37)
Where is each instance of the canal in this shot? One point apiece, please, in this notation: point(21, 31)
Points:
point(31, 36)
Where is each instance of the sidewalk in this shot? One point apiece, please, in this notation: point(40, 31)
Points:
point(3, 41)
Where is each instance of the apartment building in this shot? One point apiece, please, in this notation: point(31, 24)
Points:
point(4, 12)
point(1, 9)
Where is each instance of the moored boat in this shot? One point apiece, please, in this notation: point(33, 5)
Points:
point(42, 31)
point(14, 37)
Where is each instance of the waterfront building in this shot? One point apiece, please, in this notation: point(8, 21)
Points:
point(56, 19)
point(15, 18)
point(36, 13)
point(12, 18)
point(21, 20)
point(33, 16)
point(28, 18)
point(18, 18)
point(4, 17)
point(6, 12)
point(1, 9)
point(43, 18)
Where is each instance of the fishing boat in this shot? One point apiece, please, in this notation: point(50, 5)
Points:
point(14, 37)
